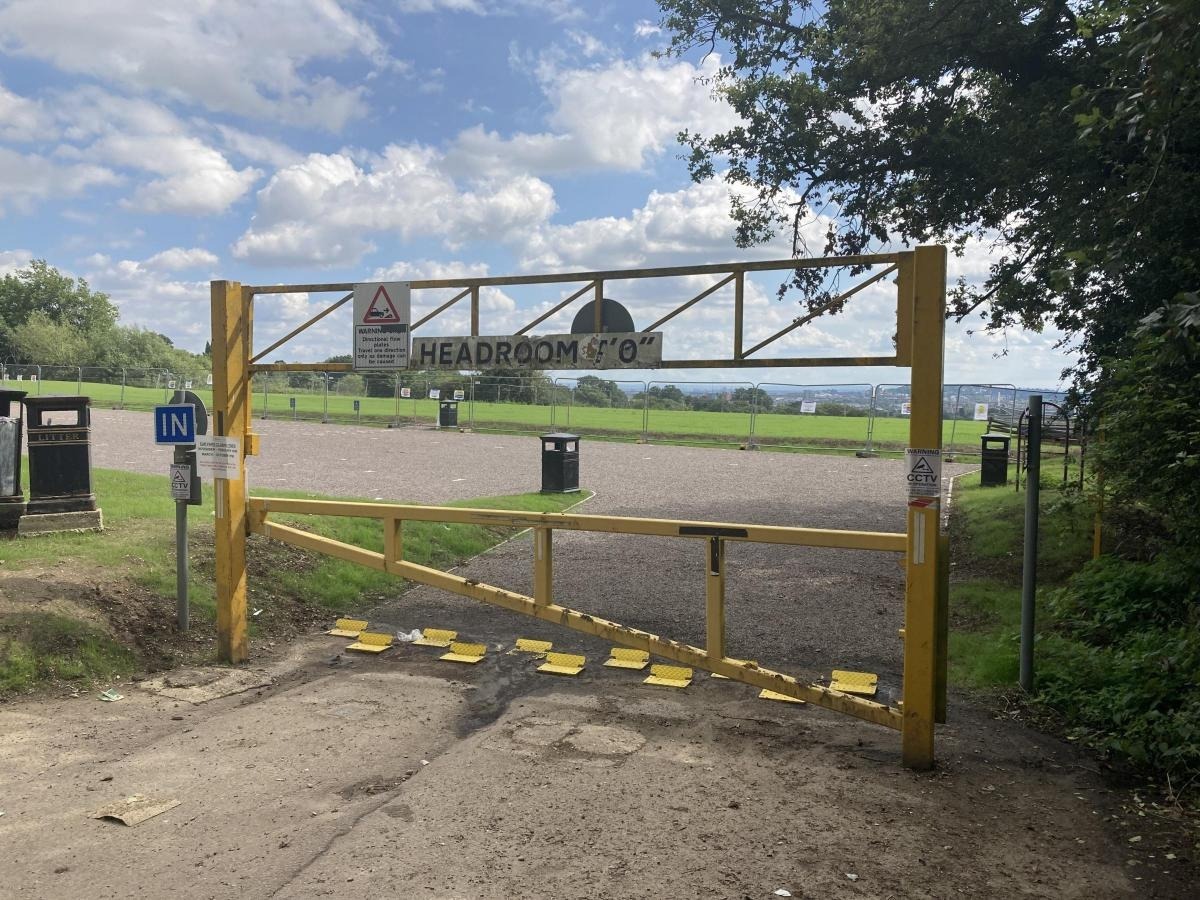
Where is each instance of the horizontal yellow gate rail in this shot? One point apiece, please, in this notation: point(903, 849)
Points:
point(712, 658)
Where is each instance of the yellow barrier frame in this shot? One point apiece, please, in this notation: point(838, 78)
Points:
point(921, 302)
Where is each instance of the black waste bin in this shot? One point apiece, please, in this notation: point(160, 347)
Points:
point(994, 450)
point(59, 433)
point(448, 414)
point(560, 463)
point(12, 500)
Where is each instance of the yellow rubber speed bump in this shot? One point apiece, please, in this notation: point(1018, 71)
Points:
point(562, 664)
point(372, 642)
point(436, 637)
point(669, 676)
point(529, 645)
point(347, 627)
point(625, 658)
point(748, 662)
point(464, 653)
point(764, 694)
point(863, 683)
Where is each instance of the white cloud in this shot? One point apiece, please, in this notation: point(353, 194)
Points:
point(644, 28)
point(257, 148)
point(177, 258)
point(613, 117)
point(247, 57)
point(188, 176)
point(11, 260)
point(324, 210)
point(22, 119)
point(28, 179)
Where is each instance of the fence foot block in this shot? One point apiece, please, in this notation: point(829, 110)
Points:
point(350, 628)
point(626, 658)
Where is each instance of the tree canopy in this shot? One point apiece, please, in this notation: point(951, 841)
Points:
point(1066, 131)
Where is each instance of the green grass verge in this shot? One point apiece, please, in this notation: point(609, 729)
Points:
point(138, 547)
point(985, 589)
point(719, 428)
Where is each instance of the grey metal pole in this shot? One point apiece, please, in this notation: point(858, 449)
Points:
point(1033, 483)
point(181, 562)
point(121, 402)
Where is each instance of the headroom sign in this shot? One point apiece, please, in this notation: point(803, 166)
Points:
point(624, 350)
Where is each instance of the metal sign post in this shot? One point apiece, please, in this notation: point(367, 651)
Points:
point(184, 480)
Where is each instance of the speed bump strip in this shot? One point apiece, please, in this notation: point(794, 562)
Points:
point(669, 676)
point(764, 694)
point(436, 637)
point(529, 645)
point(562, 664)
point(626, 658)
point(863, 683)
point(347, 627)
point(747, 662)
point(372, 642)
point(464, 653)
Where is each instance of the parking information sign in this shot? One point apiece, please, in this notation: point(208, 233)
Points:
point(382, 315)
point(175, 424)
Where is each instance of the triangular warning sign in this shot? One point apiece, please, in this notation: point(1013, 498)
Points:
point(922, 466)
point(381, 310)
point(179, 479)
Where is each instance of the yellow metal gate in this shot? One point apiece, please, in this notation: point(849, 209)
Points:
point(920, 280)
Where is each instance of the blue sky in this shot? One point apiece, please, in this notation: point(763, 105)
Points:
point(150, 147)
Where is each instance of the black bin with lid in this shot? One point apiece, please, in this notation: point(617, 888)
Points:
point(994, 451)
point(12, 499)
point(448, 414)
point(59, 433)
point(560, 463)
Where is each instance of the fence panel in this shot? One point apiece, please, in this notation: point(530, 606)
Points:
point(969, 410)
point(601, 407)
point(703, 412)
point(812, 417)
point(513, 403)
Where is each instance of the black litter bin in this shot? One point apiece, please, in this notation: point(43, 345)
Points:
point(448, 414)
point(60, 455)
point(994, 450)
point(12, 500)
point(560, 463)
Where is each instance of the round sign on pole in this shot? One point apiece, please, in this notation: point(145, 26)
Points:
point(614, 318)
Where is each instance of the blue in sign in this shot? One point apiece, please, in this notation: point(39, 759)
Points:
point(175, 424)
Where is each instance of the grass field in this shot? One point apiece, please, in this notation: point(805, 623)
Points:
point(722, 428)
point(137, 547)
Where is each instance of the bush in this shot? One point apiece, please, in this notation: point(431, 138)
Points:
point(1123, 663)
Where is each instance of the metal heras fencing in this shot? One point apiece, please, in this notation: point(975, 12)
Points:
point(860, 418)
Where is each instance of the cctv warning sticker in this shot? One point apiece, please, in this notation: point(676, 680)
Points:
point(923, 470)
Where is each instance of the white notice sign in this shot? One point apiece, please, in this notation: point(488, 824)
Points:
point(460, 395)
point(923, 470)
point(405, 392)
point(435, 393)
point(906, 408)
point(381, 320)
point(808, 406)
point(217, 457)
point(981, 412)
point(181, 482)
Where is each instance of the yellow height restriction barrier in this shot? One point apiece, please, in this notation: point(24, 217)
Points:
point(920, 279)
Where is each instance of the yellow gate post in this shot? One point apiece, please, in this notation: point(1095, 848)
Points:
point(923, 584)
point(231, 417)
